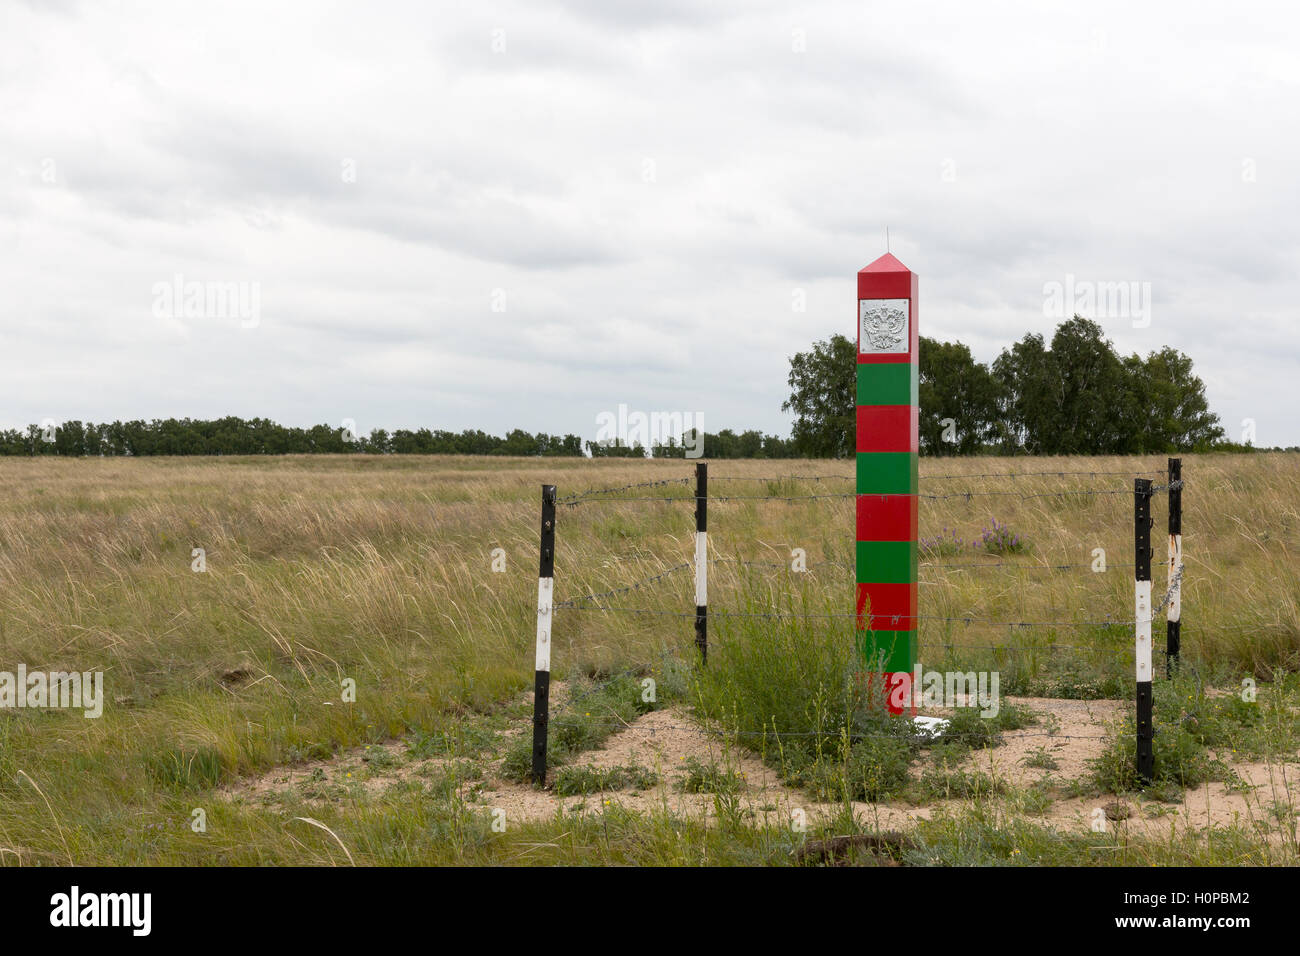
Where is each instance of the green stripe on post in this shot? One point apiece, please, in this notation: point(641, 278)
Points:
point(886, 562)
point(887, 383)
point(893, 651)
point(887, 473)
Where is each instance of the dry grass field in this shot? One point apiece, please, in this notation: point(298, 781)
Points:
point(228, 735)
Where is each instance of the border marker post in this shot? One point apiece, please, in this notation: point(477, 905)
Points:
point(886, 443)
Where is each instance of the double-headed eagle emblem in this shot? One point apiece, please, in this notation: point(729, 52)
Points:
point(885, 327)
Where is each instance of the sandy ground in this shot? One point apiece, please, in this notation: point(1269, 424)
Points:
point(1268, 805)
point(1068, 732)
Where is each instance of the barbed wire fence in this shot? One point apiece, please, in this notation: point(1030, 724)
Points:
point(601, 602)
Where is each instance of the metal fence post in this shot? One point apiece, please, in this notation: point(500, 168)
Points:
point(702, 559)
point(542, 670)
point(1142, 625)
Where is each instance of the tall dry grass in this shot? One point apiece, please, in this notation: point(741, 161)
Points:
point(322, 569)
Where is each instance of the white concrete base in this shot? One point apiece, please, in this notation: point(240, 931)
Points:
point(930, 727)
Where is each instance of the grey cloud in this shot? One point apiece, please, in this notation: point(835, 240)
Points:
point(218, 155)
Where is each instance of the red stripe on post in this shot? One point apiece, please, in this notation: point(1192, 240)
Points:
point(887, 518)
point(885, 427)
point(886, 278)
point(893, 607)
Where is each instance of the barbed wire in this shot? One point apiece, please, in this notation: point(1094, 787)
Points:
point(967, 495)
point(645, 582)
point(666, 656)
point(1047, 474)
point(571, 700)
point(842, 494)
point(1025, 567)
point(1175, 584)
point(574, 503)
point(782, 478)
point(784, 565)
point(590, 602)
point(627, 610)
point(922, 643)
point(612, 493)
point(596, 492)
point(924, 565)
point(1005, 474)
point(1026, 624)
point(1172, 486)
point(634, 670)
point(894, 619)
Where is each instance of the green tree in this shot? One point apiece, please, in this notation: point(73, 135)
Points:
point(958, 400)
point(1070, 399)
point(1168, 410)
point(824, 397)
point(1090, 390)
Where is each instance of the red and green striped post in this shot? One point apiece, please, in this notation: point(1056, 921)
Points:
point(887, 420)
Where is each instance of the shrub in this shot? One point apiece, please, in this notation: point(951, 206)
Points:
point(709, 778)
point(572, 781)
point(999, 539)
point(793, 689)
point(958, 784)
point(1180, 760)
point(877, 768)
point(945, 544)
point(592, 714)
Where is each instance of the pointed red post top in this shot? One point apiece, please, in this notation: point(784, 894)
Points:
point(886, 263)
point(887, 312)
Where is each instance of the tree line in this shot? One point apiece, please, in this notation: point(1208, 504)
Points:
point(261, 436)
point(1074, 395)
point(723, 444)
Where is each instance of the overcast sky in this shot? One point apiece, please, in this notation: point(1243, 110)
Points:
point(507, 214)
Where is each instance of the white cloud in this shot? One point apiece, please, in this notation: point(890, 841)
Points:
point(645, 186)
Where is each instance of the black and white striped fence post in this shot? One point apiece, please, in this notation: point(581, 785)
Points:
point(1142, 619)
point(702, 559)
point(1173, 618)
point(542, 671)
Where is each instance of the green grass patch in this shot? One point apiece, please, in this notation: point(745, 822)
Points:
point(180, 769)
point(574, 781)
point(593, 713)
point(709, 778)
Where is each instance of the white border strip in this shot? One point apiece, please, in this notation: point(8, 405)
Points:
point(701, 569)
point(545, 597)
point(1142, 615)
point(1175, 566)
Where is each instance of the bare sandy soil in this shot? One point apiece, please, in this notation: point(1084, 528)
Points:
point(1047, 757)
